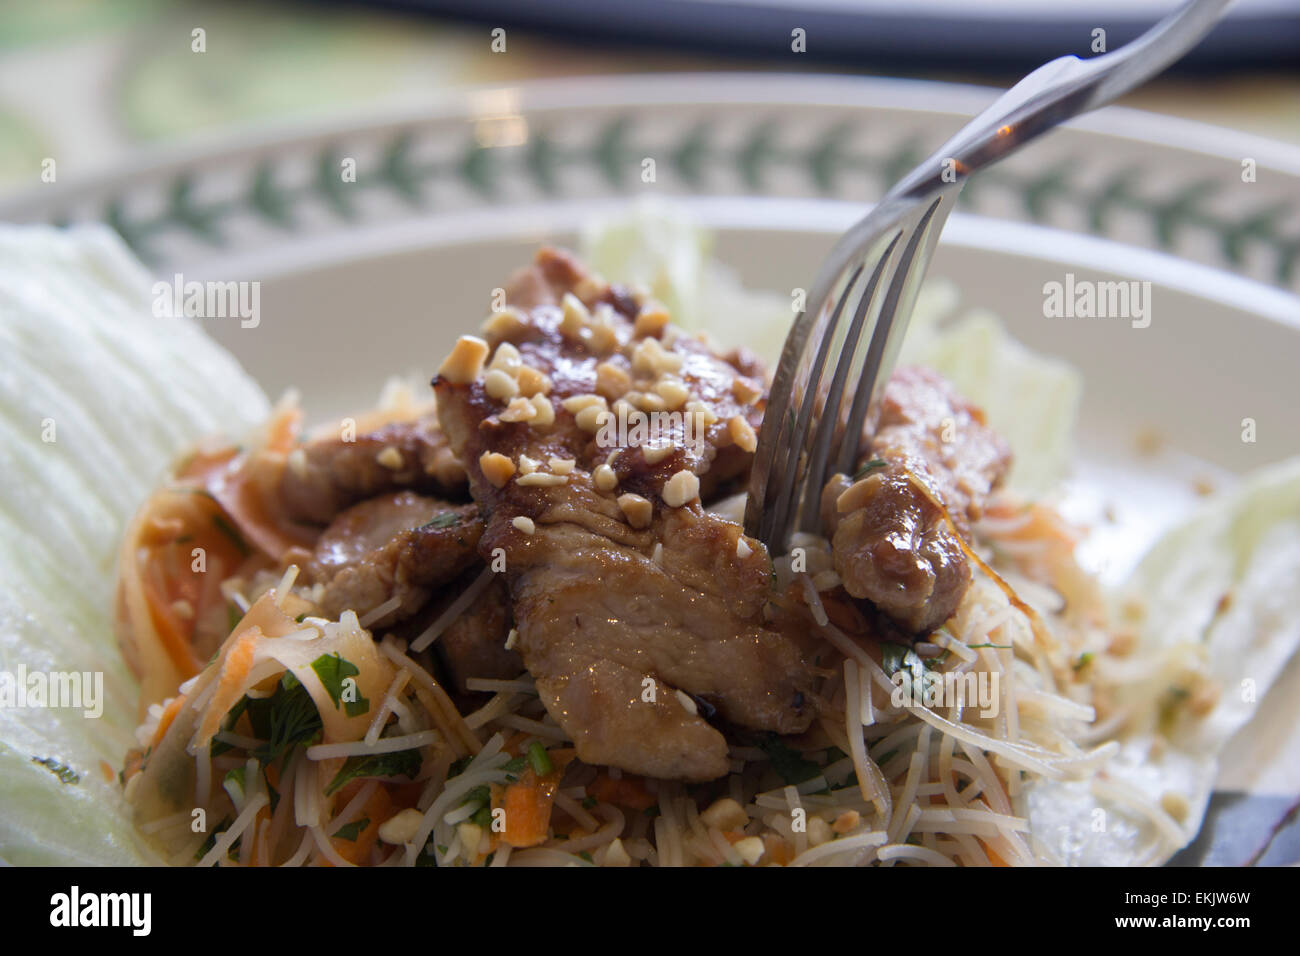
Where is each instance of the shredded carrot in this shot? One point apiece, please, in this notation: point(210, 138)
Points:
point(994, 858)
point(527, 803)
point(377, 809)
point(235, 668)
point(165, 720)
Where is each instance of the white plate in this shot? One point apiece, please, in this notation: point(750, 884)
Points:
point(362, 281)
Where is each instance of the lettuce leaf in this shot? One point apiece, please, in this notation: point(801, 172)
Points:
point(97, 397)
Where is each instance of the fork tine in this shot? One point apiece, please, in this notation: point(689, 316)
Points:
point(831, 424)
point(888, 333)
point(786, 461)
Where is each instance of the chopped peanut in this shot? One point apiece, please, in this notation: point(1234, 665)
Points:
point(465, 362)
point(497, 468)
point(605, 477)
point(519, 409)
point(500, 385)
point(742, 433)
point(541, 480)
point(681, 489)
point(544, 409)
point(532, 382)
point(656, 453)
point(725, 814)
point(638, 511)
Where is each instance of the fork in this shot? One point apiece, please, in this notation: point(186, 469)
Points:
point(875, 269)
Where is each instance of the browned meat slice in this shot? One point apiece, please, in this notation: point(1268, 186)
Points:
point(891, 542)
point(474, 644)
point(401, 546)
point(633, 605)
point(324, 476)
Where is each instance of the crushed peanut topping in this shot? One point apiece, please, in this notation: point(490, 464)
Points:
point(742, 433)
point(390, 458)
point(855, 495)
point(524, 524)
point(681, 489)
point(496, 468)
point(605, 477)
point(611, 380)
point(656, 453)
point(519, 410)
point(504, 323)
point(506, 359)
point(650, 321)
point(638, 511)
point(465, 362)
point(591, 418)
point(545, 410)
point(533, 382)
point(744, 390)
point(574, 317)
point(500, 385)
point(538, 479)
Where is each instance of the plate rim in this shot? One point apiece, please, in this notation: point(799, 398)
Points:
point(644, 90)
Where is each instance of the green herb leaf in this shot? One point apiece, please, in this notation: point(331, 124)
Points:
point(869, 466)
point(350, 831)
point(401, 763)
point(791, 765)
point(442, 521)
point(61, 770)
point(286, 719)
point(333, 670)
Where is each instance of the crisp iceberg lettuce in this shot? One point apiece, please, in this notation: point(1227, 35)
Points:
point(96, 398)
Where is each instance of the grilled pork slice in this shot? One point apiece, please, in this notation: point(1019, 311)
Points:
point(474, 644)
point(636, 611)
point(326, 475)
point(932, 453)
point(397, 547)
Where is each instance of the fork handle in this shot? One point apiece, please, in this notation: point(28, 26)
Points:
point(1058, 91)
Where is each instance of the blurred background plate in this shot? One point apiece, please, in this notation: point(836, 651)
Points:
point(1213, 196)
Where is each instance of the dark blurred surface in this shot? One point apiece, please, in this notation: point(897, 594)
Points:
point(922, 36)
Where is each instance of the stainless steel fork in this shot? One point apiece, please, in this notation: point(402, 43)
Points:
point(815, 421)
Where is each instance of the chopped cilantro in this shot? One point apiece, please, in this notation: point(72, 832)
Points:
point(61, 770)
point(350, 831)
point(442, 521)
point(286, 719)
point(588, 803)
point(1084, 660)
point(869, 466)
point(401, 763)
point(333, 670)
point(791, 765)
